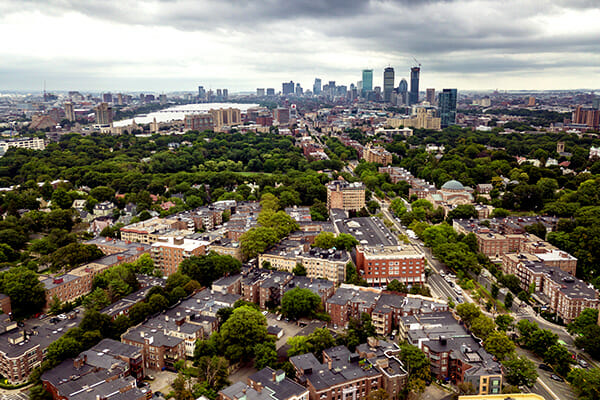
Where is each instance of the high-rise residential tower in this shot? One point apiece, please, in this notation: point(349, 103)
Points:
point(287, 87)
point(430, 97)
point(388, 83)
point(447, 107)
point(367, 81)
point(413, 97)
point(69, 112)
point(103, 114)
point(317, 86)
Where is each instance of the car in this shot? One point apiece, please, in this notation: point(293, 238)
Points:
point(458, 290)
point(62, 316)
point(279, 317)
point(583, 363)
point(460, 300)
point(545, 367)
point(265, 312)
point(556, 378)
point(447, 278)
point(151, 378)
point(442, 274)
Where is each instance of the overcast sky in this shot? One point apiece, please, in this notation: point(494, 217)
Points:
point(167, 45)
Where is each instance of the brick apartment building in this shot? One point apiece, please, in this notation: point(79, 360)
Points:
point(377, 154)
point(346, 196)
point(160, 351)
point(381, 264)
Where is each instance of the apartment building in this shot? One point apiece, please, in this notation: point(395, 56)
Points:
point(22, 142)
point(351, 301)
point(381, 264)
point(78, 282)
point(266, 384)
point(342, 375)
point(150, 230)
point(168, 252)
point(198, 122)
point(346, 196)
point(377, 154)
point(110, 245)
point(454, 354)
point(226, 247)
point(160, 351)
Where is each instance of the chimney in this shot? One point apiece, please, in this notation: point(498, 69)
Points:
point(329, 364)
point(142, 333)
point(274, 376)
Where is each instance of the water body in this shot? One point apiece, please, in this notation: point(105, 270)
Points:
point(179, 112)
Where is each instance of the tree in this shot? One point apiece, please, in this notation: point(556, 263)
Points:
point(588, 317)
point(590, 340)
point(325, 240)
point(508, 300)
point(158, 302)
point(503, 321)
point(26, 292)
point(38, 392)
point(243, 330)
point(266, 355)
point(520, 371)
point(416, 364)
point(498, 344)
point(352, 276)
point(269, 202)
point(559, 357)
point(181, 388)
point(299, 270)
point(345, 241)
point(495, 290)
point(463, 211)
point(213, 370)
point(397, 286)
point(257, 240)
point(468, 312)
point(585, 383)
point(512, 282)
point(208, 268)
point(482, 326)
point(55, 306)
point(379, 394)
point(96, 300)
point(541, 340)
point(299, 302)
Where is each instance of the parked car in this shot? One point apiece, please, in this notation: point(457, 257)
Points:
point(545, 367)
point(583, 363)
point(556, 378)
point(442, 274)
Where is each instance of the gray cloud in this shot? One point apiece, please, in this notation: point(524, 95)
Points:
point(273, 38)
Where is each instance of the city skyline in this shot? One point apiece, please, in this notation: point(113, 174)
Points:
point(176, 45)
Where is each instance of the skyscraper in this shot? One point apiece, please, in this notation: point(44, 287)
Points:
point(201, 92)
point(69, 112)
point(103, 114)
point(317, 86)
point(403, 91)
point(447, 107)
point(388, 83)
point(413, 97)
point(287, 87)
point(367, 81)
point(430, 96)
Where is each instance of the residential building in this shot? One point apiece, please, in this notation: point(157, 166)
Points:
point(346, 196)
point(447, 107)
point(226, 247)
point(430, 96)
point(281, 115)
point(199, 122)
point(159, 351)
point(379, 265)
point(377, 154)
point(391, 307)
point(168, 252)
point(586, 116)
point(23, 142)
point(425, 118)
point(69, 112)
point(225, 116)
point(104, 209)
point(103, 114)
point(351, 301)
point(149, 231)
point(413, 96)
point(266, 384)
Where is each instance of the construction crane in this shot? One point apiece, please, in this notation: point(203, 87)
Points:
point(417, 61)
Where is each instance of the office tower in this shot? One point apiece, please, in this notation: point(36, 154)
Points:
point(596, 103)
point(201, 92)
point(162, 99)
point(413, 96)
point(403, 91)
point(430, 96)
point(299, 90)
point(270, 92)
point(69, 112)
point(388, 83)
point(107, 97)
point(103, 114)
point(260, 92)
point(531, 101)
point(317, 86)
point(120, 99)
point(225, 94)
point(287, 88)
point(219, 95)
point(447, 107)
point(367, 81)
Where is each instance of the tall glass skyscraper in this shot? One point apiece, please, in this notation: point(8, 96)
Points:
point(447, 107)
point(388, 83)
point(367, 81)
point(413, 97)
point(317, 86)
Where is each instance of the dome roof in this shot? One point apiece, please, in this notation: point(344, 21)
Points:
point(453, 185)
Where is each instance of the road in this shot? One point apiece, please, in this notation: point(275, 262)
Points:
point(546, 387)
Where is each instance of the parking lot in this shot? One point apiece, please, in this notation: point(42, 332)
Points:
point(162, 381)
point(290, 329)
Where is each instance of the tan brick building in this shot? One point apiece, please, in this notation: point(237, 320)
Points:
point(346, 196)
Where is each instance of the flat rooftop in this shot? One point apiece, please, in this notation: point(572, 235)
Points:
point(367, 230)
